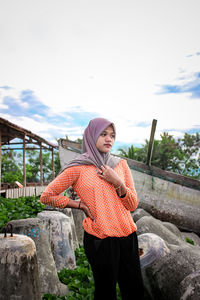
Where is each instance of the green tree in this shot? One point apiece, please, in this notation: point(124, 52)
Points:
point(130, 152)
point(166, 153)
point(190, 155)
point(177, 155)
point(11, 166)
point(79, 140)
point(33, 165)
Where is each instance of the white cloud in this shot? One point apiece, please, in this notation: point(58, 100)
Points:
point(13, 93)
point(3, 106)
point(9, 92)
point(102, 57)
point(39, 117)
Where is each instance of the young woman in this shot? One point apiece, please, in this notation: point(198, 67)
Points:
point(105, 187)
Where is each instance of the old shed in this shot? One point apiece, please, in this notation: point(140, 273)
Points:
point(14, 137)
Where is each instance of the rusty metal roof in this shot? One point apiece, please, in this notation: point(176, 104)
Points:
point(10, 131)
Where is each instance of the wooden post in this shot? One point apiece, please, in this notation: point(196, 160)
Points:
point(0, 158)
point(53, 168)
point(41, 172)
point(24, 160)
point(150, 148)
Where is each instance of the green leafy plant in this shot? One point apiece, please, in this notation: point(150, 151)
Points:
point(79, 281)
point(189, 241)
point(19, 208)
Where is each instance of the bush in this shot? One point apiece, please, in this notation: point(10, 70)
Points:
point(19, 208)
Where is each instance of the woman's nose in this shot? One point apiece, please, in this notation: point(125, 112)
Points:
point(108, 138)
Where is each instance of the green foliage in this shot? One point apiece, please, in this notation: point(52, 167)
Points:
point(18, 208)
point(190, 151)
point(33, 165)
point(11, 167)
point(79, 140)
point(79, 281)
point(130, 152)
point(181, 155)
point(189, 241)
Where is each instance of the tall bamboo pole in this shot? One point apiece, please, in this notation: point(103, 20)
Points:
point(41, 172)
point(150, 148)
point(24, 160)
point(0, 158)
point(53, 167)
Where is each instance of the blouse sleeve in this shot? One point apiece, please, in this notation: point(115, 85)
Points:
point(130, 201)
point(51, 195)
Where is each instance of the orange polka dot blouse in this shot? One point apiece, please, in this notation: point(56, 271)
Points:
point(112, 213)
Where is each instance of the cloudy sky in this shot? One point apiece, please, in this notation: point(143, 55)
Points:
point(63, 62)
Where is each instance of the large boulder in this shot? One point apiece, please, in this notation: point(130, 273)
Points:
point(173, 228)
point(148, 224)
point(190, 287)
point(166, 273)
point(169, 264)
point(70, 212)
point(184, 215)
point(139, 213)
point(191, 237)
point(35, 228)
point(152, 247)
point(19, 277)
point(60, 237)
point(78, 216)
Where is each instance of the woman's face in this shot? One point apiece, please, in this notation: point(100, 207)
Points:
point(106, 140)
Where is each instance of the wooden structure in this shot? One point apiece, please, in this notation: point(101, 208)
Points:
point(26, 140)
point(23, 192)
point(151, 142)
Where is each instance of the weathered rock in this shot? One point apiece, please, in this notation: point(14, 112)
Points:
point(139, 213)
point(60, 236)
point(78, 220)
point(192, 236)
point(76, 216)
point(153, 248)
point(19, 277)
point(190, 287)
point(70, 213)
point(173, 228)
point(166, 273)
point(151, 225)
point(35, 228)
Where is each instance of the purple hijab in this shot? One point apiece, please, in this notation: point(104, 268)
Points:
point(91, 155)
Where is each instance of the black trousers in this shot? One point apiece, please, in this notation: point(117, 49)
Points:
point(115, 259)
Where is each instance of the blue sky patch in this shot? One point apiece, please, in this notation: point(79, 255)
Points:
point(26, 103)
point(192, 87)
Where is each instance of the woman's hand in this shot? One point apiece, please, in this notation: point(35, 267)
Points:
point(86, 210)
point(110, 176)
point(80, 205)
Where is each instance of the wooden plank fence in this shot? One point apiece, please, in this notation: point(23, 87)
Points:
point(24, 192)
